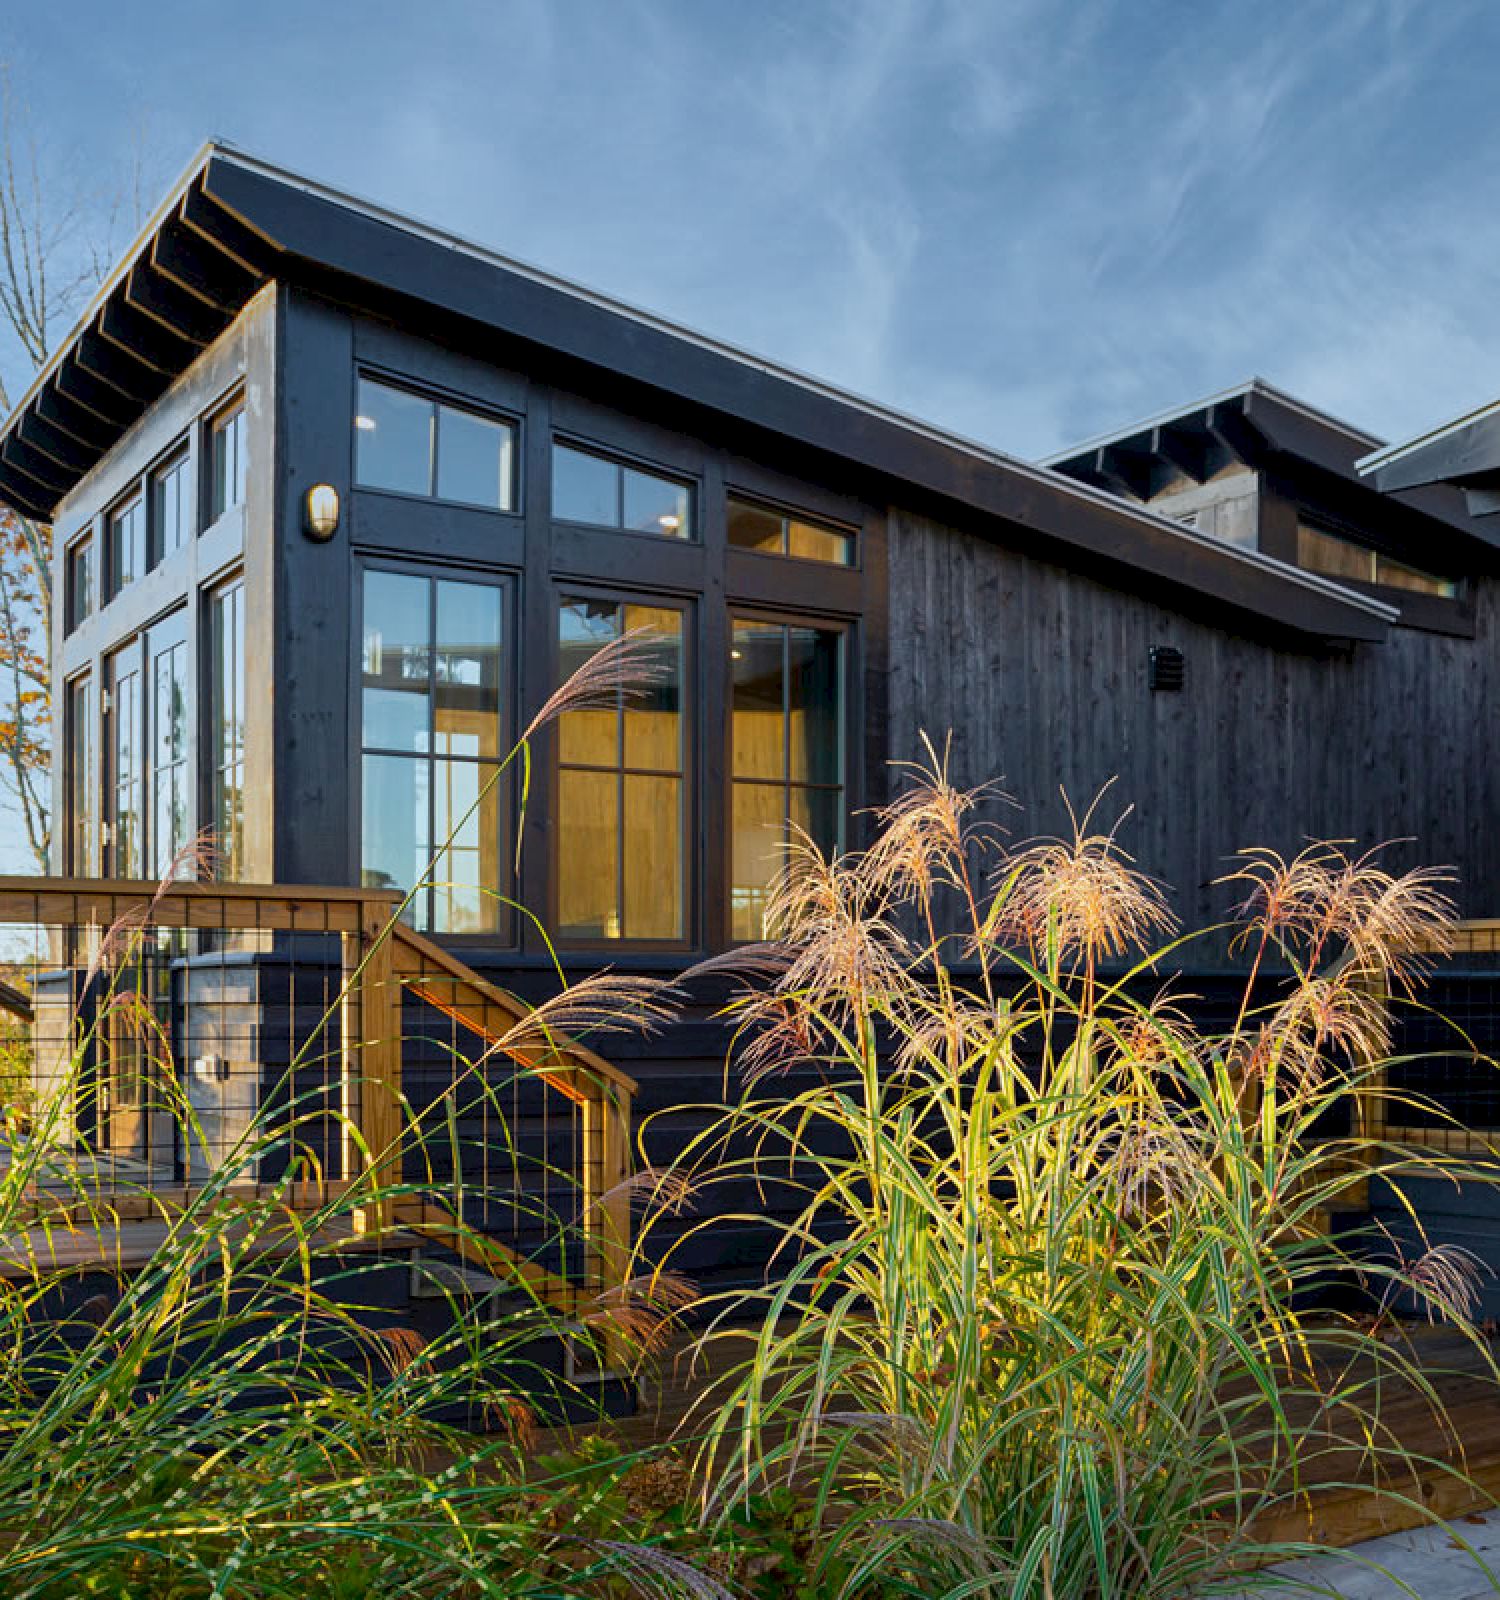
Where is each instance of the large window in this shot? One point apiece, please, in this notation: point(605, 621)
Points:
point(226, 728)
point(610, 494)
point(81, 777)
point(126, 544)
point(169, 771)
point(1320, 551)
point(771, 532)
point(431, 719)
point(227, 463)
point(414, 445)
point(788, 762)
point(620, 812)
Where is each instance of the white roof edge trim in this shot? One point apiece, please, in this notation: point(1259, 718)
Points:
point(1395, 452)
point(223, 150)
point(1250, 386)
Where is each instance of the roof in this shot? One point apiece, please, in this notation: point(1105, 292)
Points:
point(1464, 452)
point(232, 223)
point(1254, 421)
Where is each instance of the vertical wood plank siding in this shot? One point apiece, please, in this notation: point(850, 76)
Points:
point(1040, 673)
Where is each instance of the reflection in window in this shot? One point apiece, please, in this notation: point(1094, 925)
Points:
point(413, 445)
point(788, 766)
point(126, 545)
point(226, 729)
point(620, 820)
point(79, 597)
point(609, 494)
point(169, 754)
point(431, 709)
point(226, 448)
point(772, 532)
point(125, 763)
point(170, 508)
point(80, 777)
point(1335, 557)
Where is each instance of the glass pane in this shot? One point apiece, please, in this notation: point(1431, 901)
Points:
point(125, 717)
point(584, 488)
point(227, 446)
point(392, 439)
point(656, 505)
point(653, 858)
point(819, 813)
point(653, 721)
point(397, 662)
point(474, 459)
point(813, 706)
point(227, 730)
point(169, 820)
point(1338, 558)
point(171, 507)
point(467, 663)
point(756, 855)
point(584, 626)
point(812, 543)
point(80, 581)
point(756, 528)
point(127, 546)
point(395, 845)
point(588, 855)
point(1397, 575)
point(756, 675)
point(467, 875)
point(81, 776)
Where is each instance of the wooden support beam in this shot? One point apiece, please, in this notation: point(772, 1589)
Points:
point(143, 340)
point(371, 1066)
point(172, 307)
point(65, 414)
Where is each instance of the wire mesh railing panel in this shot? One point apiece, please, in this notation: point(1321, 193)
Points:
point(1445, 1045)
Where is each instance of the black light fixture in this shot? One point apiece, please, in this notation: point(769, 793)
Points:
point(1167, 669)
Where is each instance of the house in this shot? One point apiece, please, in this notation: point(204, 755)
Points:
point(338, 500)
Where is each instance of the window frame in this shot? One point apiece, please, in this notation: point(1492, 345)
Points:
point(209, 769)
point(438, 396)
point(1451, 614)
point(81, 687)
point(849, 720)
point(73, 617)
point(504, 937)
point(214, 423)
point(691, 605)
point(179, 457)
point(133, 499)
point(790, 512)
point(624, 461)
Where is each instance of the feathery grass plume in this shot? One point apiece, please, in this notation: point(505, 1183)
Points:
point(646, 1310)
point(1081, 896)
point(599, 1003)
point(623, 668)
point(1325, 1023)
point(925, 836)
point(1448, 1281)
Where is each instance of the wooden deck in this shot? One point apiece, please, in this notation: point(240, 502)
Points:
point(1463, 1438)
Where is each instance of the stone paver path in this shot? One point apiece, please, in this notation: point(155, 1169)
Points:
point(1429, 1563)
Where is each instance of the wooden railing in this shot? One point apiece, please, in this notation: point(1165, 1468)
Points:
point(380, 961)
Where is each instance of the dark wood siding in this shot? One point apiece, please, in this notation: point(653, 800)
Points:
point(1041, 675)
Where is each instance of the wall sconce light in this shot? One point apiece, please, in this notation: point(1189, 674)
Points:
point(321, 512)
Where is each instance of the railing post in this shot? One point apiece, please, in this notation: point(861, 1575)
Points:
point(371, 1065)
point(606, 1196)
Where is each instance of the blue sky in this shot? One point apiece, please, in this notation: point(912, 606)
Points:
point(1029, 220)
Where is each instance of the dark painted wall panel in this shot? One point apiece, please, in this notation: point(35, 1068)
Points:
point(1041, 675)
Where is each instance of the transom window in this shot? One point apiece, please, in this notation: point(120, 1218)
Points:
point(431, 716)
point(171, 508)
point(1324, 552)
point(620, 811)
point(788, 758)
point(126, 544)
point(226, 449)
point(612, 494)
point(412, 444)
point(79, 579)
point(763, 528)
